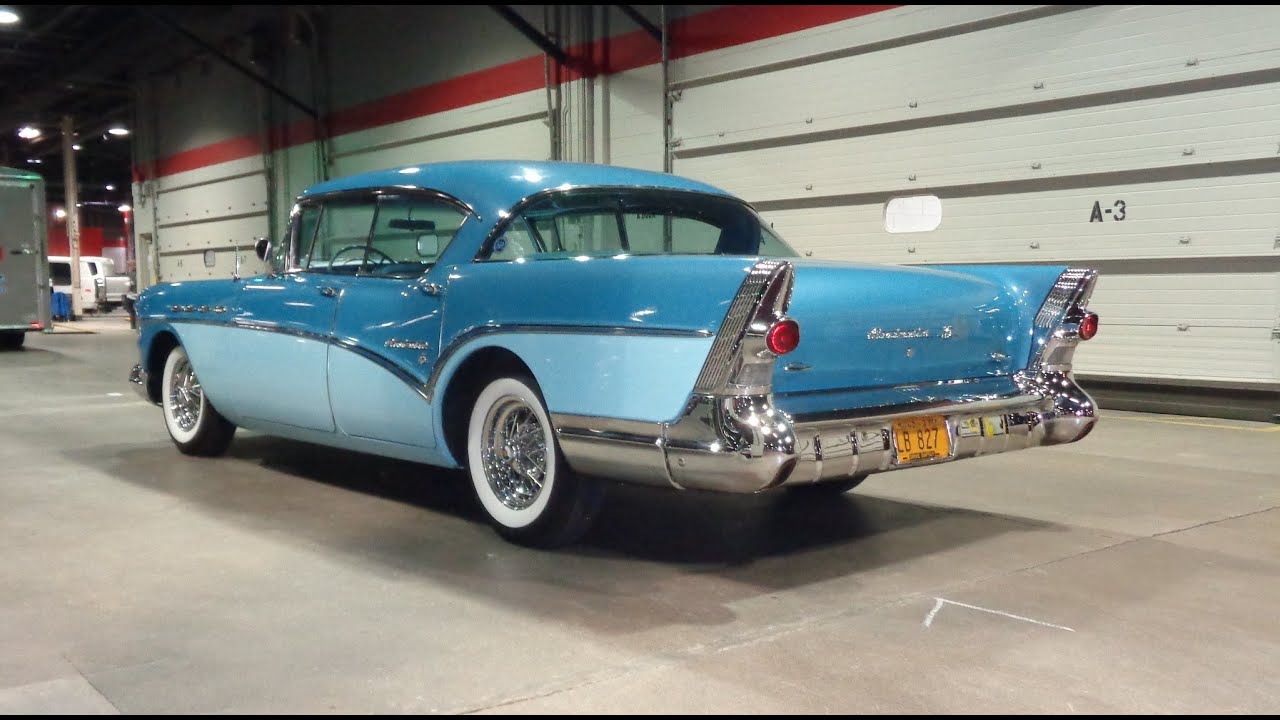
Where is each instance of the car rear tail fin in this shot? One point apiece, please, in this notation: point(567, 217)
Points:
point(755, 331)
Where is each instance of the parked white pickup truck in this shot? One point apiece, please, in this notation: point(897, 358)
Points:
point(115, 285)
point(102, 289)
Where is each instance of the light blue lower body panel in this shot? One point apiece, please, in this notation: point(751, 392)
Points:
point(369, 401)
point(267, 376)
point(398, 451)
point(629, 377)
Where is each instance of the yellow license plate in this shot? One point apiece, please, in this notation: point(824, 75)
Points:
point(921, 438)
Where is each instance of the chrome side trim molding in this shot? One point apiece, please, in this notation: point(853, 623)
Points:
point(627, 450)
point(385, 362)
point(426, 390)
point(262, 326)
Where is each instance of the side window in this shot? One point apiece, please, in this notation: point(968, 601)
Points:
point(647, 233)
point(582, 233)
point(772, 246)
point(516, 242)
point(409, 235)
point(341, 236)
point(294, 254)
point(641, 221)
point(60, 272)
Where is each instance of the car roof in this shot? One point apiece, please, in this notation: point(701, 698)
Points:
point(490, 186)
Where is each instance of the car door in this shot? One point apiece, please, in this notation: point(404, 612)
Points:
point(387, 331)
point(285, 321)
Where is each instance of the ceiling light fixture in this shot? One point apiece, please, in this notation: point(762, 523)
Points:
point(118, 130)
point(8, 16)
point(60, 213)
point(27, 132)
point(34, 161)
point(111, 187)
point(75, 147)
point(124, 208)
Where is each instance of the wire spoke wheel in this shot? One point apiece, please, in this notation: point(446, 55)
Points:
point(518, 472)
point(515, 453)
point(194, 424)
point(186, 398)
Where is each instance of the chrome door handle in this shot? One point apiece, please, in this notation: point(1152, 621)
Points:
point(432, 289)
point(328, 291)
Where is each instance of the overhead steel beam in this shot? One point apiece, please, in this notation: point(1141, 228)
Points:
point(530, 32)
point(230, 61)
point(654, 31)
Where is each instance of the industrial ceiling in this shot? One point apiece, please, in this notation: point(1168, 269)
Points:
point(84, 62)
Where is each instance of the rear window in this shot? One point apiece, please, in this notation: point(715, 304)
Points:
point(634, 221)
point(93, 267)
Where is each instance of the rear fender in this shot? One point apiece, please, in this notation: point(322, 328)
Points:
point(1027, 286)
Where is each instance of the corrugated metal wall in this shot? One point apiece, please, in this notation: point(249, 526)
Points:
point(1021, 119)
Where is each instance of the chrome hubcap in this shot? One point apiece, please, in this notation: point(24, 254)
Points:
point(185, 396)
point(515, 453)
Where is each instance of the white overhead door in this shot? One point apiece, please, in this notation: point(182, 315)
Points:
point(1138, 140)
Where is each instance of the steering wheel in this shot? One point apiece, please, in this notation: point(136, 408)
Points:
point(384, 258)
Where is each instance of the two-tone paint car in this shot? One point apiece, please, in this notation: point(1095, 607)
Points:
point(553, 327)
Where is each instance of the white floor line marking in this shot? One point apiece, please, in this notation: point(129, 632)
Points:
point(1190, 423)
point(928, 621)
point(115, 394)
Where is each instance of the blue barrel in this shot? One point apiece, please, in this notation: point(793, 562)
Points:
point(61, 306)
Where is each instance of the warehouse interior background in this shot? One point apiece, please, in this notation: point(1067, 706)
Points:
point(1134, 572)
point(1137, 140)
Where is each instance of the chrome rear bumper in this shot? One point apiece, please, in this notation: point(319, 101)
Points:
point(743, 444)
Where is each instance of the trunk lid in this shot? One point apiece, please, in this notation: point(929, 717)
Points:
point(879, 326)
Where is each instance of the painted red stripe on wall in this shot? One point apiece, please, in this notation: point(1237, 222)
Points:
point(234, 149)
point(712, 30)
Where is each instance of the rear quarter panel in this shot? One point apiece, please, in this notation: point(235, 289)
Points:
point(621, 337)
point(1027, 286)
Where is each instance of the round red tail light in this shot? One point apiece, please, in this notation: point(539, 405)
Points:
point(1089, 326)
point(783, 337)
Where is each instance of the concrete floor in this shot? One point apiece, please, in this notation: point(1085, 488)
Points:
point(1135, 572)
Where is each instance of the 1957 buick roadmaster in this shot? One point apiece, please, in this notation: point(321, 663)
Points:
point(552, 326)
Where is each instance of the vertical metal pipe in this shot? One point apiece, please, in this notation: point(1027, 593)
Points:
point(588, 86)
point(71, 184)
point(552, 25)
point(605, 68)
point(153, 183)
point(666, 115)
point(546, 71)
point(666, 94)
point(131, 226)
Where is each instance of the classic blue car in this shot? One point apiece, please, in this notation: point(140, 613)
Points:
point(553, 326)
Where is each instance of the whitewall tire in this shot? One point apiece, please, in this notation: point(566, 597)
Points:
point(195, 426)
point(519, 475)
